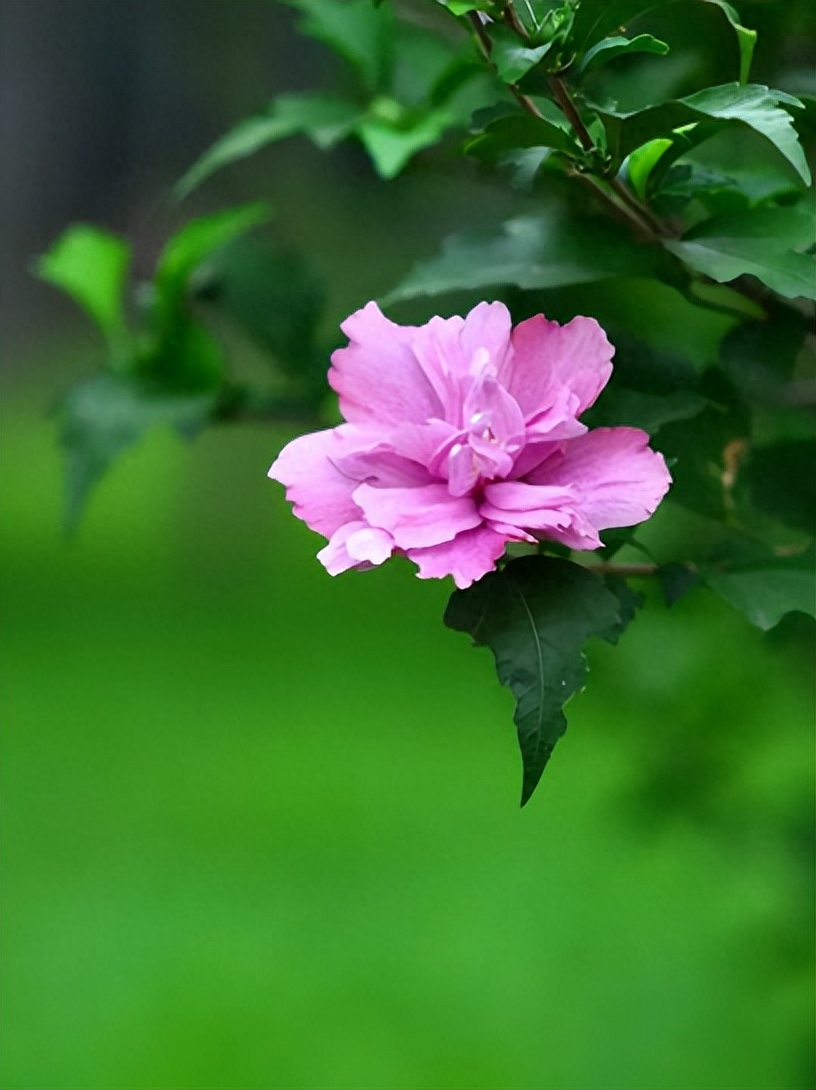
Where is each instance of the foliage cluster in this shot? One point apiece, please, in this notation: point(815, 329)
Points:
point(664, 193)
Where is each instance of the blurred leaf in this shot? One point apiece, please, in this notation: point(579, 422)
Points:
point(392, 144)
point(91, 266)
point(106, 414)
point(702, 445)
point(276, 299)
point(324, 118)
point(194, 242)
point(635, 409)
point(765, 595)
point(608, 48)
point(512, 58)
point(462, 7)
point(676, 580)
point(746, 39)
point(355, 29)
point(182, 358)
point(530, 252)
point(780, 480)
point(535, 615)
point(764, 243)
point(754, 106)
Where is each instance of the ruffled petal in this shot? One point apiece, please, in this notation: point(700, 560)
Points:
point(417, 517)
point(618, 479)
point(469, 556)
point(319, 492)
point(527, 506)
point(547, 357)
point(355, 545)
point(378, 377)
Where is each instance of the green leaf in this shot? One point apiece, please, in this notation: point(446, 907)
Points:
point(91, 265)
point(355, 29)
point(765, 595)
point(509, 133)
point(108, 413)
point(531, 252)
point(606, 50)
point(194, 242)
point(620, 406)
point(392, 144)
point(276, 300)
point(764, 243)
point(325, 119)
point(535, 615)
point(753, 106)
point(780, 481)
point(511, 57)
point(462, 7)
point(746, 39)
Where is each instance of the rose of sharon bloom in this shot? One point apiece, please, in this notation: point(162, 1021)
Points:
point(463, 435)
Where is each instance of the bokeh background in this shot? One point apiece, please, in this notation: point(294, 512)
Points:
point(261, 826)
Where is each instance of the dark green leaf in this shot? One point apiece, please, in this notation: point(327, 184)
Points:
point(606, 50)
point(763, 243)
point(91, 266)
point(530, 252)
point(765, 595)
point(323, 118)
point(106, 414)
point(635, 409)
point(781, 481)
point(676, 580)
point(196, 241)
point(517, 130)
point(535, 615)
point(277, 301)
point(512, 58)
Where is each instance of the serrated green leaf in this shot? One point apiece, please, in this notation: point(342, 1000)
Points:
point(355, 29)
point(325, 119)
point(535, 615)
point(764, 244)
point(753, 106)
point(609, 48)
point(765, 595)
point(512, 58)
point(548, 251)
point(108, 413)
point(91, 265)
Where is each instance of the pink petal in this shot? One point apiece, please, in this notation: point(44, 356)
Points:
point(487, 327)
point(377, 377)
point(547, 357)
point(527, 506)
point(468, 557)
point(417, 517)
point(355, 545)
point(321, 495)
point(618, 478)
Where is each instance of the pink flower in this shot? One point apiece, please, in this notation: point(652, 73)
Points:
point(462, 435)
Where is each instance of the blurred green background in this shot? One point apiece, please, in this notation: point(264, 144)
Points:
point(261, 826)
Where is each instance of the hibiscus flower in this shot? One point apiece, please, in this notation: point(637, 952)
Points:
point(463, 435)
